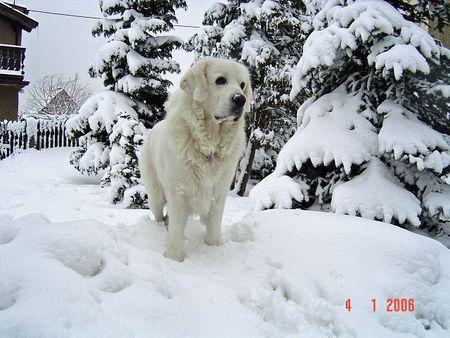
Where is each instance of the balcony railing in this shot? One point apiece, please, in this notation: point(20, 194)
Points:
point(12, 59)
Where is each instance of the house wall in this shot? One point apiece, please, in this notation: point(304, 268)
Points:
point(10, 84)
point(9, 98)
point(8, 33)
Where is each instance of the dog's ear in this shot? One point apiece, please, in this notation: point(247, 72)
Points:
point(187, 81)
point(195, 81)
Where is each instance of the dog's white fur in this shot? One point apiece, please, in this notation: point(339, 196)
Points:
point(189, 158)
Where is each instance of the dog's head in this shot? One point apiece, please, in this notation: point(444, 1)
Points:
point(221, 87)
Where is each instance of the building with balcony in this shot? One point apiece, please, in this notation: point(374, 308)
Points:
point(13, 20)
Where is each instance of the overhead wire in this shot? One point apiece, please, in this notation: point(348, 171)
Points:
point(92, 17)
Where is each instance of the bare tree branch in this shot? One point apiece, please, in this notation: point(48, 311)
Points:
point(57, 95)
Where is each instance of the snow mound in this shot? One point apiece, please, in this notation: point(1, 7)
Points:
point(53, 276)
point(331, 130)
point(277, 192)
point(278, 273)
point(403, 134)
point(438, 202)
point(376, 194)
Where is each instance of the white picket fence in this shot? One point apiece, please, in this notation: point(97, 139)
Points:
point(31, 132)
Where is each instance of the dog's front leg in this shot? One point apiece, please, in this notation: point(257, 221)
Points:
point(213, 220)
point(178, 215)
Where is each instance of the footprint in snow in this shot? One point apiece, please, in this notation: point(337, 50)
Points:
point(7, 234)
point(114, 276)
point(7, 297)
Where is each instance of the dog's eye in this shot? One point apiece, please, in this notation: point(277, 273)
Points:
point(221, 80)
point(242, 85)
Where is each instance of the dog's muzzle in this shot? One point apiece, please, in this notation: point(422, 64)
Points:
point(237, 114)
point(238, 100)
point(238, 106)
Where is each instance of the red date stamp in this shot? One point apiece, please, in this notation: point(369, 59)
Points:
point(390, 305)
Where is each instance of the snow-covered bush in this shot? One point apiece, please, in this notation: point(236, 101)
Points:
point(267, 36)
point(371, 139)
point(110, 133)
point(132, 65)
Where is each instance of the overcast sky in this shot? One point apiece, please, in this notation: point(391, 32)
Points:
point(64, 45)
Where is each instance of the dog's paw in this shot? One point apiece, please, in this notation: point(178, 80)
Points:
point(163, 224)
point(176, 256)
point(216, 241)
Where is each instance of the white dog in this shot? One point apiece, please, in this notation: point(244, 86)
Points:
point(189, 159)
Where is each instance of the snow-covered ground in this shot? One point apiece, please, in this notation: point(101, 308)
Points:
point(72, 265)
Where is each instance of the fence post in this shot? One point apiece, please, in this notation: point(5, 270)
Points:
point(38, 135)
point(58, 134)
point(46, 139)
point(31, 141)
point(52, 138)
point(11, 142)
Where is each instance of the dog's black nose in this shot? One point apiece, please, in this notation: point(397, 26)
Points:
point(239, 100)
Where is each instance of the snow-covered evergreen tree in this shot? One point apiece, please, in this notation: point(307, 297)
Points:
point(132, 66)
point(371, 138)
point(267, 36)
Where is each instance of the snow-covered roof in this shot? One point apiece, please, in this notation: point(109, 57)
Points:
point(61, 98)
point(17, 14)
